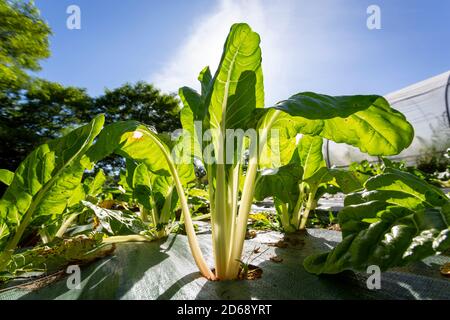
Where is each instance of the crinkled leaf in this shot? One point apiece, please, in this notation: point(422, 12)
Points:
point(401, 219)
point(117, 222)
point(45, 181)
point(405, 189)
point(366, 122)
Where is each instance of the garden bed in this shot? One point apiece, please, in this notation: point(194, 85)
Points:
point(165, 270)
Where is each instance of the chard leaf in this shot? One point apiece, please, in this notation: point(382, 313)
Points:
point(280, 147)
point(6, 176)
point(206, 81)
point(281, 184)
point(131, 140)
point(238, 83)
point(44, 183)
point(310, 155)
point(142, 186)
point(194, 115)
point(398, 219)
point(405, 189)
point(116, 222)
point(346, 180)
point(56, 255)
point(148, 186)
point(94, 187)
point(366, 122)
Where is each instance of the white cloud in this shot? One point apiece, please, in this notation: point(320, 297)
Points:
point(293, 44)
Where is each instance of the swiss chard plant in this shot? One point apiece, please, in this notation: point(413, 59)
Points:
point(235, 136)
point(155, 194)
point(297, 186)
point(397, 219)
point(228, 130)
point(44, 184)
point(47, 192)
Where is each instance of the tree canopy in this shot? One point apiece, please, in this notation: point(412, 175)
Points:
point(33, 110)
point(23, 42)
point(142, 102)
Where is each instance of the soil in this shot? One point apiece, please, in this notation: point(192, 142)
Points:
point(248, 272)
point(252, 273)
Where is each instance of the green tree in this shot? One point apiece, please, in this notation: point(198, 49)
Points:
point(23, 42)
point(45, 110)
point(142, 102)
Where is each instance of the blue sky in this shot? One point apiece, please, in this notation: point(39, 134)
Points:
point(320, 45)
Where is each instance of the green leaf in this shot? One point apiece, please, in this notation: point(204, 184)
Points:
point(163, 188)
point(56, 255)
point(194, 115)
point(45, 181)
point(142, 186)
point(193, 102)
point(131, 140)
point(366, 122)
point(77, 195)
point(206, 82)
point(152, 190)
point(405, 189)
point(280, 147)
point(6, 176)
point(95, 186)
point(116, 222)
point(238, 82)
point(191, 120)
point(346, 180)
point(398, 219)
point(310, 155)
point(281, 183)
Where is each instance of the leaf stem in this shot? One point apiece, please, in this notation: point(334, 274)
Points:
point(190, 231)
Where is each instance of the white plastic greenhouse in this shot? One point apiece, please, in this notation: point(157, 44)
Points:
point(426, 105)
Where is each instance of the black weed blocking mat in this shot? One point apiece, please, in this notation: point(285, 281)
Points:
point(166, 270)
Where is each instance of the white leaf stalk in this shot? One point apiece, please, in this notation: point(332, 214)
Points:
point(190, 231)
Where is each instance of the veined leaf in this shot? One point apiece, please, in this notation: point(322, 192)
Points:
point(398, 219)
point(116, 222)
point(94, 187)
point(280, 146)
point(142, 186)
point(130, 139)
point(282, 184)
point(194, 115)
point(346, 180)
point(366, 122)
point(6, 176)
point(396, 186)
point(192, 118)
point(238, 83)
point(44, 182)
point(206, 81)
point(310, 155)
